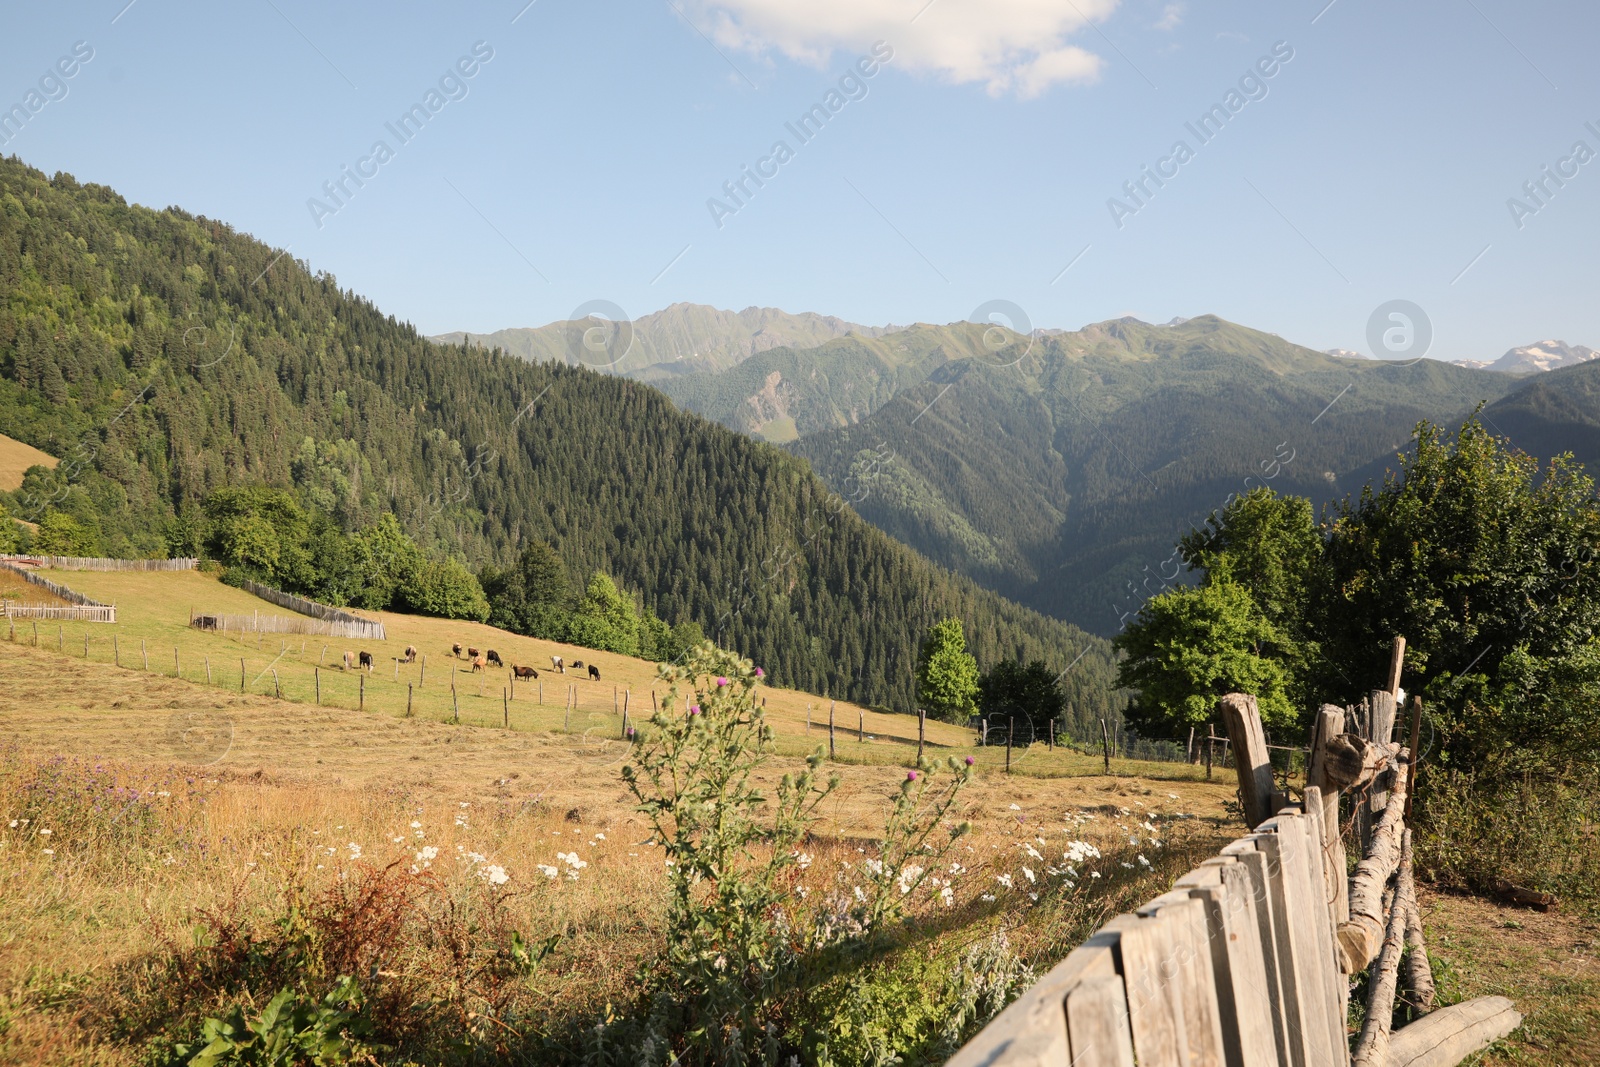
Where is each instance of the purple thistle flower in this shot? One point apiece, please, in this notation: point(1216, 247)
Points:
point(971, 760)
point(694, 709)
point(911, 776)
point(760, 673)
point(721, 682)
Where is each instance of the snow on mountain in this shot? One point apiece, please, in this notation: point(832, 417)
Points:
point(1542, 356)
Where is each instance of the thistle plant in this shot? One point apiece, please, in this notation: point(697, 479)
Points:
point(911, 850)
point(730, 851)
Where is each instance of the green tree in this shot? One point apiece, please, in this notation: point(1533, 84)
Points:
point(1187, 647)
point(1270, 545)
point(605, 619)
point(1488, 566)
point(1029, 693)
point(533, 596)
point(947, 675)
point(60, 534)
point(444, 589)
point(10, 532)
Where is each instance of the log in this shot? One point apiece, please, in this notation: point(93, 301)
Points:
point(1360, 937)
point(1243, 721)
point(1450, 1035)
point(1372, 1046)
point(1531, 898)
point(1418, 973)
point(1350, 762)
point(1327, 729)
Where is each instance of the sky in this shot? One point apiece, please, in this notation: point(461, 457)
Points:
point(959, 153)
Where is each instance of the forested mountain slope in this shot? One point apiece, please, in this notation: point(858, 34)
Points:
point(1064, 480)
point(1553, 413)
point(161, 355)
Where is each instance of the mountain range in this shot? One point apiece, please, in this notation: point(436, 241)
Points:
point(1059, 469)
point(1535, 358)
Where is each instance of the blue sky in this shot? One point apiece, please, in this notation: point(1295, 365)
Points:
point(975, 164)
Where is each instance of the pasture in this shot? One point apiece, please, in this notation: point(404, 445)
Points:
point(16, 458)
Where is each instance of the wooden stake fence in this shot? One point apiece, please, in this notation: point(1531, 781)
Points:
point(1247, 960)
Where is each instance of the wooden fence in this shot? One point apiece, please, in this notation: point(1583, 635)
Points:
point(74, 613)
point(278, 624)
point(92, 563)
point(360, 627)
point(83, 608)
point(1248, 960)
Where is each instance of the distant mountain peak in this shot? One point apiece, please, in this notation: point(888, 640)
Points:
point(1542, 356)
point(1343, 353)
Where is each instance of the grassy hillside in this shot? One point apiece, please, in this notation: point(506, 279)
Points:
point(16, 458)
point(1063, 481)
point(162, 356)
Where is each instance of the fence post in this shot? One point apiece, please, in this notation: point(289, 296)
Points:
point(35, 633)
point(505, 709)
point(241, 674)
point(177, 667)
point(541, 694)
point(208, 670)
point(397, 668)
point(316, 675)
point(453, 702)
point(1052, 741)
point(1416, 757)
point(922, 730)
point(1105, 744)
point(613, 700)
point(362, 705)
point(276, 688)
point(830, 730)
point(322, 655)
point(145, 652)
point(1397, 659)
point(408, 700)
point(85, 646)
point(116, 649)
point(861, 726)
point(422, 675)
point(1211, 743)
point(1011, 726)
point(61, 638)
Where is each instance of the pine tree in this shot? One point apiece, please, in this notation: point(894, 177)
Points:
point(947, 676)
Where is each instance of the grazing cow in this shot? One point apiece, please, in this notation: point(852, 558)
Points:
point(577, 663)
point(524, 672)
point(479, 663)
point(594, 673)
point(349, 661)
point(411, 654)
point(455, 650)
point(472, 653)
point(493, 657)
point(366, 661)
point(558, 665)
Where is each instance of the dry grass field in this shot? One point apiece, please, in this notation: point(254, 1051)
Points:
point(16, 458)
point(247, 807)
point(246, 800)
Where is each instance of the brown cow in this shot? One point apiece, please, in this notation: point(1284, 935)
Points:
point(455, 650)
point(472, 653)
point(524, 672)
point(349, 661)
point(411, 654)
point(479, 663)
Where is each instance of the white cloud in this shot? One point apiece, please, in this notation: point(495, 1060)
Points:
point(1171, 16)
point(1008, 46)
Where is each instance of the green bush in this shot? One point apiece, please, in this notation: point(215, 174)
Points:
point(291, 1030)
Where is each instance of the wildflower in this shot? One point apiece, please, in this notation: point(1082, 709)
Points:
point(1094, 874)
point(1035, 853)
point(1033, 897)
point(416, 826)
point(760, 673)
point(599, 837)
point(496, 875)
point(947, 896)
point(48, 851)
point(13, 824)
point(428, 854)
point(720, 963)
point(1128, 865)
point(971, 760)
point(44, 833)
point(860, 896)
point(1016, 807)
point(547, 870)
point(911, 776)
point(1142, 860)
point(163, 793)
point(802, 859)
point(1003, 879)
point(694, 709)
point(1029, 872)
point(1173, 796)
point(721, 682)
point(989, 897)
point(397, 840)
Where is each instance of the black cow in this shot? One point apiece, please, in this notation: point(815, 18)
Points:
point(577, 663)
point(594, 673)
point(493, 657)
point(366, 661)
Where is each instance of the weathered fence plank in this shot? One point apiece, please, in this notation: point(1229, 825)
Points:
point(1243, 721)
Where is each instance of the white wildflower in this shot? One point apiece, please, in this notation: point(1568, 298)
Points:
point(547, 870)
